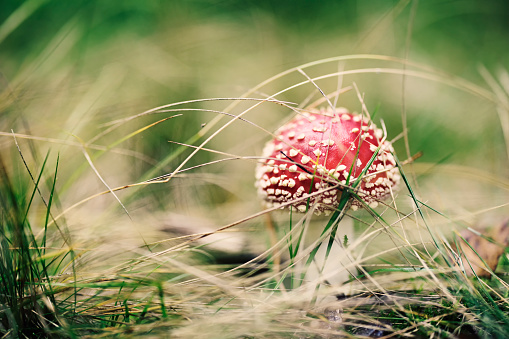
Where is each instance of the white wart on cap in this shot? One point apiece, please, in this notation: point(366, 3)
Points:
point(315, 151)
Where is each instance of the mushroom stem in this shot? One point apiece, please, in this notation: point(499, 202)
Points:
point(331, 265)
point(271, 230)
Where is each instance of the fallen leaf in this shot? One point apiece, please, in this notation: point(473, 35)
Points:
point(480, 247)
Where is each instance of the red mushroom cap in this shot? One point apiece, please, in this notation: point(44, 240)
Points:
point(320, 149)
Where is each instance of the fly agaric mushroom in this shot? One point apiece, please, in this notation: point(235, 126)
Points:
point(326, 149)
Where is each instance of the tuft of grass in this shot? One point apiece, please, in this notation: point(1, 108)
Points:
point(28, 264)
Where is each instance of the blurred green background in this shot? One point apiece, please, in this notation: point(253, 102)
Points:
point(69, 67)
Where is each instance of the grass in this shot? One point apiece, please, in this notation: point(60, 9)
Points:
point(123, 221)
point(54, 285)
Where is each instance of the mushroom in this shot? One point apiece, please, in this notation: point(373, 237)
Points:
point(325, 151)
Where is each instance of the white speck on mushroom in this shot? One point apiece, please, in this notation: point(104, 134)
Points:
point(372, 147)
point(275, 170)
point(301, 208)
point(293, 152)
point(291, 183)
point(274, 180)
point(312, 143)
point(345, 117)
point(355, 130)
point(305, 159)
point(282, 167)
point(270, 190)
point(291, 134)
point(320, 129)
point(302, 177)
point(293, 168)
point(390, 158)
point(317, 152)
point(301, 136)
point(341, 168)
point(327, 201)
point(278, 191)
point(356, 118)
point(359, 163)
point(279, 147)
